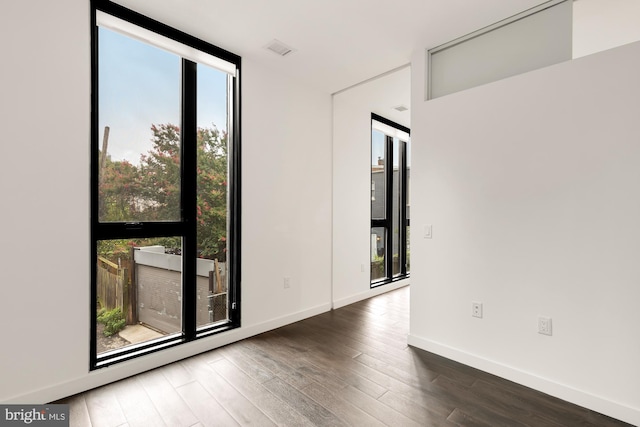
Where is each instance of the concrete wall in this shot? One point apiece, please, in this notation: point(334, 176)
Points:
point(159, 289)
point(531, 185)
point(44, 179)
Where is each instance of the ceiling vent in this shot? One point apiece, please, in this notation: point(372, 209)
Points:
point(277, 47)
point(400, 108)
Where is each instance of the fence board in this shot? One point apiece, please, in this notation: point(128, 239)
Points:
point(110, 286)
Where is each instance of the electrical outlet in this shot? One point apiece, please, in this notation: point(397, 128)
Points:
point(476, 309)
point(544, 325)
point(287, 282)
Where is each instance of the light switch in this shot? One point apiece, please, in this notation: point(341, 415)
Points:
point(427, 231)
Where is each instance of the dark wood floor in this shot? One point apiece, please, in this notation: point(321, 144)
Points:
point(351, 366)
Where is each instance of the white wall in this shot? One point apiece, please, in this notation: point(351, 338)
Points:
point(44, 185)
point(286, 199)
point(352, 179)
point(44, 311)
point(603, 24)
point(531, 184)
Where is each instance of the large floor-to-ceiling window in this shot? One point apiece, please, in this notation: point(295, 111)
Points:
point(165, 186)
point(390, 171)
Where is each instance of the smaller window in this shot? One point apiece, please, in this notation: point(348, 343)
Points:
point(389, 201)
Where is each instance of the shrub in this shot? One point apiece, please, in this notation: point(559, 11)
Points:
point(113, 321)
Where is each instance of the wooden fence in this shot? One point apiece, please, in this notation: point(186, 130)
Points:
point(112, 281)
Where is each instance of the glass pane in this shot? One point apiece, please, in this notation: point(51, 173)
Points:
point(377, 253)
point(377, 174)
point(139, 287)
point(139, 141)
point(212, 184)
point(408, 171)
point(395, 216)
point(396, 154)
point(408, 250)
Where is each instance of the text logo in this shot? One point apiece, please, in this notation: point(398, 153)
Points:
point(34, 415)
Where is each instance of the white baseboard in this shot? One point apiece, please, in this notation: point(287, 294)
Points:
point(370, 293)
point(141, 364)
point(545, 385)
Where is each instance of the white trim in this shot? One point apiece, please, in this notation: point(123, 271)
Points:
point(545, 385)
point(370, 293)
point(147, 362)
point(131, 30)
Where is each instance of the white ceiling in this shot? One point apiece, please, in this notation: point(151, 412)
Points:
point(338, 43)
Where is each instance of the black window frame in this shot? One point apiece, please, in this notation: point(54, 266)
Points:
point(186, 227)
point(387, 222)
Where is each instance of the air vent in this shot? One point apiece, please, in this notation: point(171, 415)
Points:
point(400, 108)
point(277, 47)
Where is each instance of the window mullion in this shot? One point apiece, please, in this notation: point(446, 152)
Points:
point(388, 170)
point(189, 152)
point(233, 124)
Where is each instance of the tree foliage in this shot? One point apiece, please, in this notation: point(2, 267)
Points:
point(150, 191)
point(212, 172)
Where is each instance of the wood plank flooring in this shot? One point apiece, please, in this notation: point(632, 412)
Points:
point(348, 367)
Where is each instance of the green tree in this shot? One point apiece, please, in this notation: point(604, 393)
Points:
point(212, 193)
point(160, 175)
point(119, 191)
point(151, 190)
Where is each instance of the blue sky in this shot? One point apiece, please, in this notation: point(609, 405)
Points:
point(139, 85)
point(377, 146)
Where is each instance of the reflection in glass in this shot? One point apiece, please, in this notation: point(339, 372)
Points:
point(212, 185)
point(139, 287)
point(395, 208)
point(408, 250)
point(378, 184)
point(408, 172)
point(378, 269)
